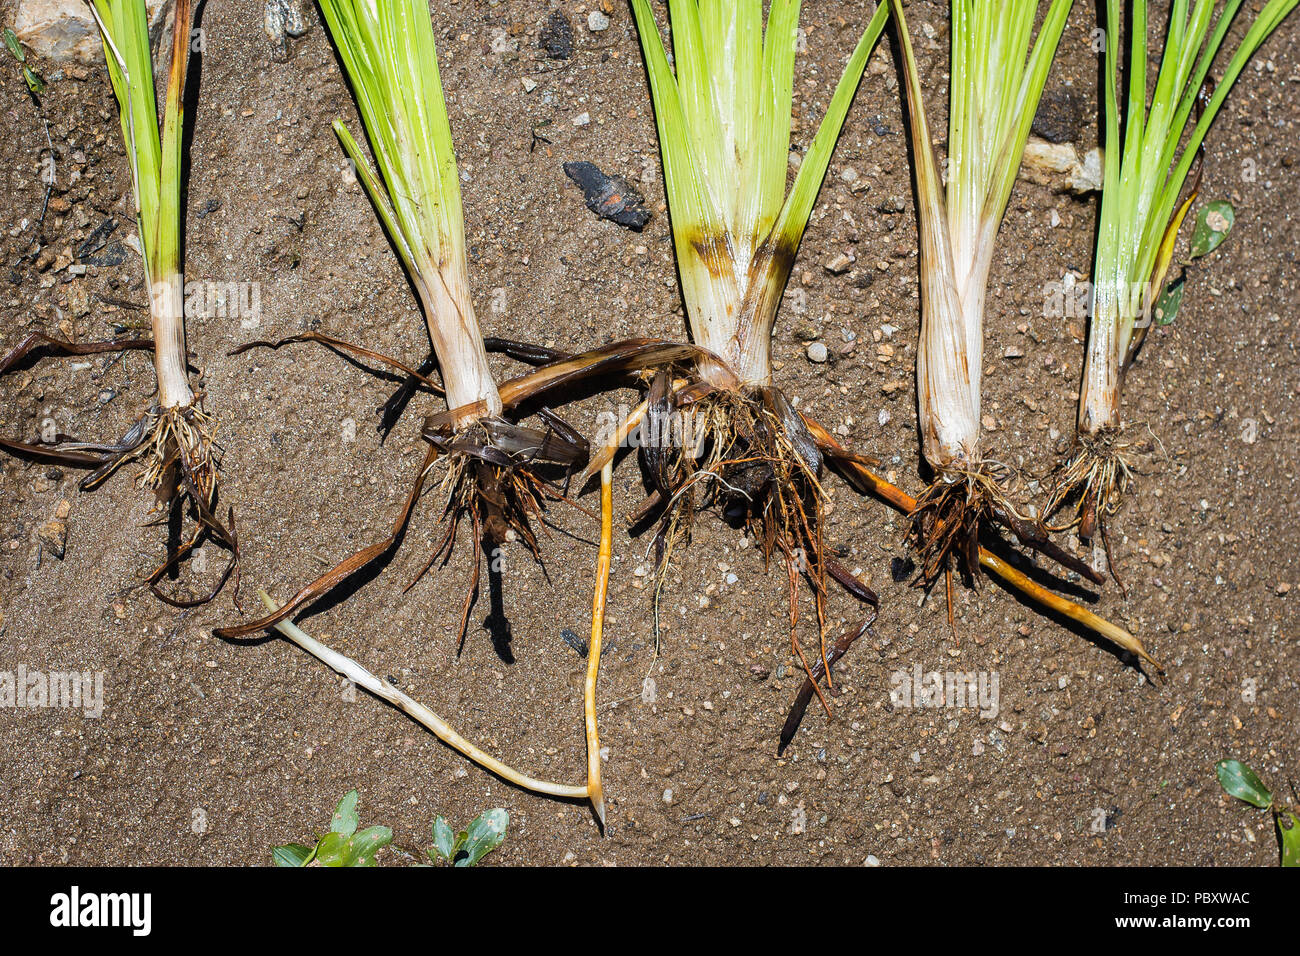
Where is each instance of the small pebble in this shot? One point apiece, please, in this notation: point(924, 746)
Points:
point(817, 353)
point(597, 22)
point(53, 535)
point(839, 264)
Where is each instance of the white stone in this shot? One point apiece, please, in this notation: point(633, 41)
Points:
point(63, 30)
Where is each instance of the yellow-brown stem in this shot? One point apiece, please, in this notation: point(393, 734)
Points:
point(595, 791)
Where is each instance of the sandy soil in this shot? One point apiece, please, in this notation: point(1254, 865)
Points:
point(212, 752)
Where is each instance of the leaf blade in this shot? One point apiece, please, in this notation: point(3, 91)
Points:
point(1240, 781)
point(1213, 223)
point(345, 818)
point(444, 840)
point(292, 854)
point(793, 220)
point(485, 834)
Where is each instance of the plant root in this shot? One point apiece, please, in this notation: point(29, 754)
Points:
point(417, 711)
point(181, 466)
point(493, 477)
point(837, 650)
point(1093, 483)
point(1089, 491)
point(595, 791)
point(490, 481)
point(749, 454)
point(176, 449)
point(950, 515)
point(858, 472)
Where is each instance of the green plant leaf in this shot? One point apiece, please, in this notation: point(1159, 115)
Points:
point(292, 854)
point(1170, 300)
point(16, 48)
point(34, 81)
point(361, 849)
point(345, 818)
point(1240, 781)
point(1290, 839)
point(332, 850)
point(484, 835)
point(444, 841)
point(1213, 223)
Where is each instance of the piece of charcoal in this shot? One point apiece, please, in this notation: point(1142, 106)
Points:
point(113, 255)
point(1060, 116)
point(574, 641)
point(97, 239)
point(556, 38)
point(610, 197)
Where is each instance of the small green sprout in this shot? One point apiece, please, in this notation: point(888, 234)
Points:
point(466, 848)
point(342, 846)
point(33, 79)
point(1240, 781)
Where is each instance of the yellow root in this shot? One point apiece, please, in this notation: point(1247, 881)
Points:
point(594, 789)
point(1066, 608)
point(868, 481)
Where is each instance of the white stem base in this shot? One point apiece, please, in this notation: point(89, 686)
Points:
point(167, 314)
point(458, 344)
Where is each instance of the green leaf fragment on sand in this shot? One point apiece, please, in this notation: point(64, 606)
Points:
point(1290, 837)
point(1213, 224)
point(292, 854)
point(444, 841)
point(1241, 782)
point(1170, 300)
